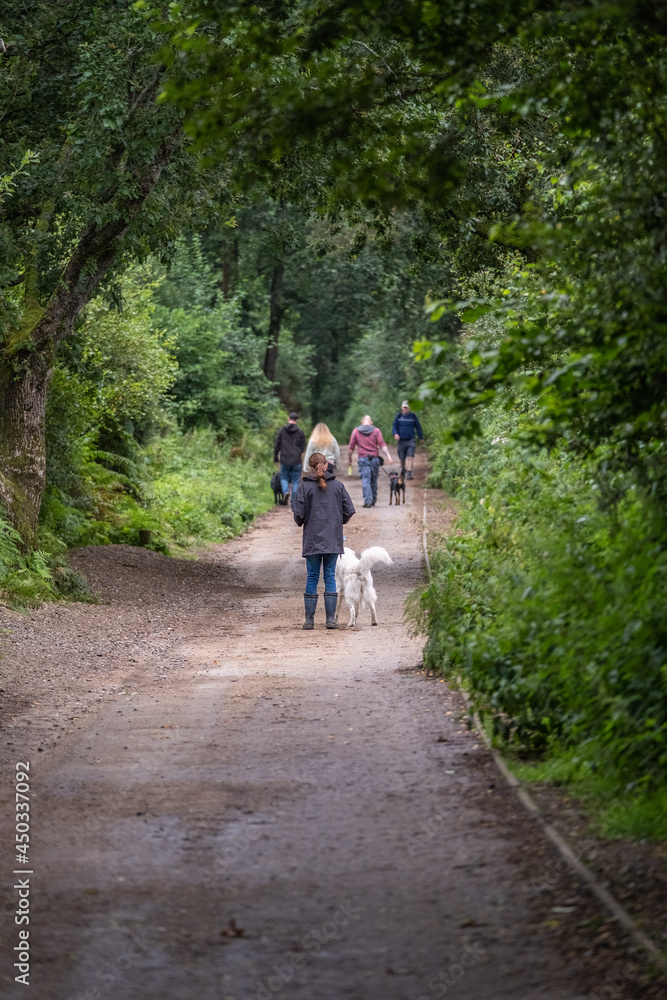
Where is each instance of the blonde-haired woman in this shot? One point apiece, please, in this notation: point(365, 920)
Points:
point(323, 442)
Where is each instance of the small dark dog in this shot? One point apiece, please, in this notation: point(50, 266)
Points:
point(396, 487)
point(277, 488)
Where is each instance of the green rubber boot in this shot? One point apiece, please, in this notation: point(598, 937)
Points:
point(310, 602)
point(330, 601)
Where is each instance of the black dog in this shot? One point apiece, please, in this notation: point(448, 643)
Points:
point(396, 487)
point(277, 488)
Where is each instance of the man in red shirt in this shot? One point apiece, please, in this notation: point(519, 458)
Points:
point(368, 440)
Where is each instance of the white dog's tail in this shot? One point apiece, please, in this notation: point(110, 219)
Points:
point(371, 556)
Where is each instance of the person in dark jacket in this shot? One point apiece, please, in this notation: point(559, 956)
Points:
point(406, 429)
point(322, 505)
point(289, 447)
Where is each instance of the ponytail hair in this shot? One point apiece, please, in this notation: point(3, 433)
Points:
point(319, 464)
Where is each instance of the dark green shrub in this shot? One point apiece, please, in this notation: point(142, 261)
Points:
point(550, 605)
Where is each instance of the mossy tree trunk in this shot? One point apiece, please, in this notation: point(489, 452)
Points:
point(26, 359)
point(24, 381)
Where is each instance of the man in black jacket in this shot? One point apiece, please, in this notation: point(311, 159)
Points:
point(289, 447)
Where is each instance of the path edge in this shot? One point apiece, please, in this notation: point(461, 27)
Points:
point(608, 900)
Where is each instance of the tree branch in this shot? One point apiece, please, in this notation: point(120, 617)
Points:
point(95, 253)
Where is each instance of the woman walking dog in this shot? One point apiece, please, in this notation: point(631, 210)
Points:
point(322, 505)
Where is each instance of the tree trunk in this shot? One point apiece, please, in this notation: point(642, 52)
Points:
point(278, 310)
point(226, 277)
point(26, 366)
point(23, 387)
point(229, 267)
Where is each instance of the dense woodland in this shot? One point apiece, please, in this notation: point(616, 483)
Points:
point(214, 212)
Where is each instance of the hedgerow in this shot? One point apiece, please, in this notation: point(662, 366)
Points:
point(547, 603)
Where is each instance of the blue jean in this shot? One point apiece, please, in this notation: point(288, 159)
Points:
point(290, 474)
point(369, 470)
point(328, 564)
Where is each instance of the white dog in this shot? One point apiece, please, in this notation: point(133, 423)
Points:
point(355, 583)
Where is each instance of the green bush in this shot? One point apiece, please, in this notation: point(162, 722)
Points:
point(549, 605)
point(123, 391)
point(27, 580)
point(195, 491)
point(205, 492)
point(219, 380)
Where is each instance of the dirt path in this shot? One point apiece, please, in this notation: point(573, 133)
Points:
point(229, 808)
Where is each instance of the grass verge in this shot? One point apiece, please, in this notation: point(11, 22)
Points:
point(192, 491)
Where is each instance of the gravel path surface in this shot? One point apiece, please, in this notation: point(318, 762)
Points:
point(225, 807)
